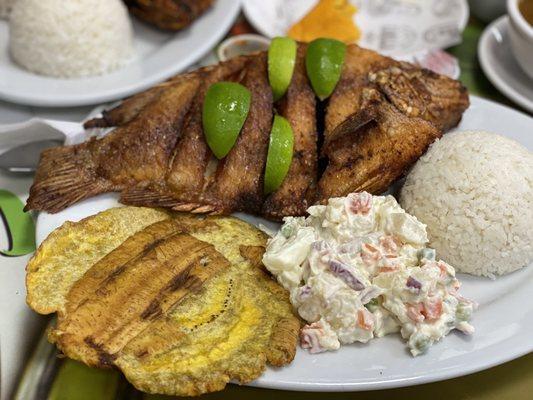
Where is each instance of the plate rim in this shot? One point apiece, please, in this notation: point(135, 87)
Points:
point(233, 7)
point(501, 23)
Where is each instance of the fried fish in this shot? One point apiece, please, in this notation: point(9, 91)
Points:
point(169, 14)
point(181, 307)
point(380, 119)
point(298, 190)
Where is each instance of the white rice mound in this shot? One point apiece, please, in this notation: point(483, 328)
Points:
point(474, 190)
point(70, 39)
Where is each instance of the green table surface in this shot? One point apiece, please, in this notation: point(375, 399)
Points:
point(513, 380)
point(472, 75)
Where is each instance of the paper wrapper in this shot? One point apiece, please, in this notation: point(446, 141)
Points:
point(392, 27)
point(13, 135)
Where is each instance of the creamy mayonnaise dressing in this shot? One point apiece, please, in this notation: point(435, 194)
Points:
point(359, 268)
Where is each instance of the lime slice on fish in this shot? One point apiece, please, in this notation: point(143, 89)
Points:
point(281, 60)
point(225, 109)
point(279, 156)
point(323, 61)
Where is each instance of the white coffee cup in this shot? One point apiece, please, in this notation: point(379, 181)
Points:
point(521, 34)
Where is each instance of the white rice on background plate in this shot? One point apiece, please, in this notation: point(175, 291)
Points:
point(68, 39)
point(474, 190)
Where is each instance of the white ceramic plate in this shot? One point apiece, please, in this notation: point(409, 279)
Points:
point(498, 63)
point(159, 55)
point(395, 27)
point(503, 322)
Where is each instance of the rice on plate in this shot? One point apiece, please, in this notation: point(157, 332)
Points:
point(70, 39)
point(474, 190)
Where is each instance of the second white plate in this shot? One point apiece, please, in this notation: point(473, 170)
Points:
point(159, 55)
point(503, 322)
point(498, 63)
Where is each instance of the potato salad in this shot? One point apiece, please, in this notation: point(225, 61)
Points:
point(358, 268)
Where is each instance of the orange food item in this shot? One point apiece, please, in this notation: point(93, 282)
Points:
point(329, 18)
point(365, 319)
point(432, 309)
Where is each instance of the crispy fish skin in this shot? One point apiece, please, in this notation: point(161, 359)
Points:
point(181, 308)
point(141, 150)
point(381, 118)
point(188, 169)
point(187, 175)
point(298, 190)
point(418, 92)
point(131, 107)
point(346, 98)
point(69, 251)
point(136, 152)
point(238, 181)
point(372, 151)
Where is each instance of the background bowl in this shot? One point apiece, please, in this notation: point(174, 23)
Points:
point(521, 34)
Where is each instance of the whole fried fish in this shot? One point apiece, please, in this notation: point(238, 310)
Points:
point(380, 119)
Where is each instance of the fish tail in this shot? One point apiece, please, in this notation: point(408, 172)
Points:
point(65, 175)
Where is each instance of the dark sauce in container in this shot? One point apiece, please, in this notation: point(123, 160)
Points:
point(526, 9)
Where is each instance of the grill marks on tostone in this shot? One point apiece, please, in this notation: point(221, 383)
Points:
point(129, 288)
point(181, 308)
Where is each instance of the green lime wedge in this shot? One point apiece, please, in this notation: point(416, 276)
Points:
point(281, 60)
point(279, 156)
point(225, 109)
point(323, 62)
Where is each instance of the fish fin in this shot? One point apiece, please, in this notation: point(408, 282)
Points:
point(147, 197)
point(153, 197)
point(65, 176)
point(367, 113)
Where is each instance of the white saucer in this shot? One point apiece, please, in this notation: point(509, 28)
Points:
point(498, 63)
point(159, 55)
